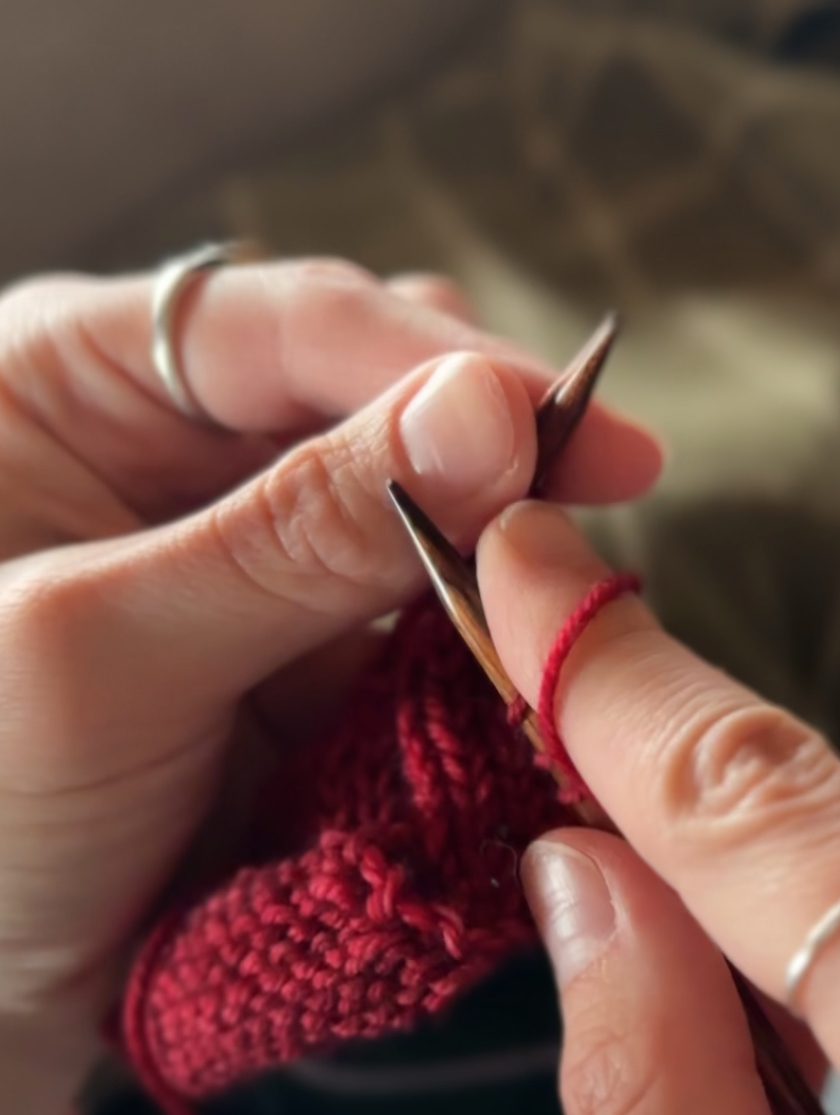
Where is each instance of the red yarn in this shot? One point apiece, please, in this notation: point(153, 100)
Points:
point(403, 894)
point(574, 788)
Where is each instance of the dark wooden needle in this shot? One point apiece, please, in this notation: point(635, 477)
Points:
point(558, 415)
point(454, 581)
point(565, 402)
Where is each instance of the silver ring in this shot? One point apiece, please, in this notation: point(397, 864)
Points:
point(172, 280)
point(804, 957)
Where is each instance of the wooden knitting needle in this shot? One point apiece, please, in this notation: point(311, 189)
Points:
point(558, 416)
point(565, 402)
point(454, 581)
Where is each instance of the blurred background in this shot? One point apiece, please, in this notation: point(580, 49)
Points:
point(678, 160)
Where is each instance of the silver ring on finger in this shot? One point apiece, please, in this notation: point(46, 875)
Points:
point(173, 279)
point(803, 959)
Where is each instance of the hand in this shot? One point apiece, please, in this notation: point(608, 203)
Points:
point(732, 802)
point(156, 572)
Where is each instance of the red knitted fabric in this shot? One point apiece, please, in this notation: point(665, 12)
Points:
point(403, 892)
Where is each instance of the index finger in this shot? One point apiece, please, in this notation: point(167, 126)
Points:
point(280, 348)
point(734, 801)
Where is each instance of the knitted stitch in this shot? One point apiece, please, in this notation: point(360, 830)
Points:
point(403, 893)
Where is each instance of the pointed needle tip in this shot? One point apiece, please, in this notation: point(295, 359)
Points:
point(395, 492)
point(611, 322)
point(565, 403)
point(416, 521)
point(412, 516)
point(579, 377)
point(592, 357)
point(442, 561)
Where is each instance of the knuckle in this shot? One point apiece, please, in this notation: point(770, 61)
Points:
point(328, 273)
point(438, 291)
point(335, 269)
point(311, 514)
point(334, 290)
point(430, 282)
point(747, 767)
point(608, 1070)
point(310, 293)
point(318, 506)
point(44, 610)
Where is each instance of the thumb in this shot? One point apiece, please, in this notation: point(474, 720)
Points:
point(190, 615)
point(312, 547)
point(651, 1017)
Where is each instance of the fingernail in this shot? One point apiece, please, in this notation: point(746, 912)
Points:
point(458, 426)
point(571, 903)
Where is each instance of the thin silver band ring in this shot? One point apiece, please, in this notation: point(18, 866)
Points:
point(803, 959)
point(171, 282)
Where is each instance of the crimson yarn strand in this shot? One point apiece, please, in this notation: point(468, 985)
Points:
point(594, 602)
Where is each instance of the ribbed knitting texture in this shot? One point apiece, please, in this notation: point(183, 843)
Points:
point(403, 891)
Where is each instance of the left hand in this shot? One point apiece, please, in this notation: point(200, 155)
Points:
point(143, 602)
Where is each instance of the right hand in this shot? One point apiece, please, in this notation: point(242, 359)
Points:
point(731, 807)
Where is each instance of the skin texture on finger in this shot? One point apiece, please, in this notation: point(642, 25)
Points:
point(190, 616)
point(652, 1022)
point(733, 801)
point(281, 349)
